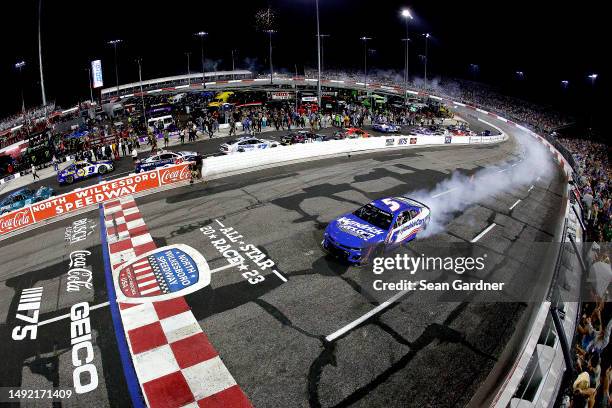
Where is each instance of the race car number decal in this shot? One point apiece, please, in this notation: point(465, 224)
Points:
point(393, 205)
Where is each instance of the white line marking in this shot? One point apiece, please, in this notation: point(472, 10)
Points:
point(514, 164)
point(229, 265)
point(219, 222)
point(65, 316)
point(530, 188)
point(147, 283)
point(442, 193)
point(482, 234)
point(137, 264)
point(514, 205)
point(281, 277)
point(501, 171)
point(366, 316)
point(146, 275)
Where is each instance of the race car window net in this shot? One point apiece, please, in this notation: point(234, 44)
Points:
point(374, 216)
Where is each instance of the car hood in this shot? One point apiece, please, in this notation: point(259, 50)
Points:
point(352, 231)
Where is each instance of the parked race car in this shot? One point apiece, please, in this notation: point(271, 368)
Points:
point(23, 197)
point(84, 169)
point(246, 144)
point(356, 237)
point(302, 136)
point(351, 133)
point(163, 158)
point(386, 127)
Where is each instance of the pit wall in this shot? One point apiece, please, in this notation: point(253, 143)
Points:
point(214, 167)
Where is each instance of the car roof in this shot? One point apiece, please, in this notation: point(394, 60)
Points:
point(404, 204)
point(20, 191)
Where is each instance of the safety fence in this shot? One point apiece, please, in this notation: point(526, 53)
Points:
point(217, 166)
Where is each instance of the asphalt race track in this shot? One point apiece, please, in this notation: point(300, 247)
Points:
point(279, 337)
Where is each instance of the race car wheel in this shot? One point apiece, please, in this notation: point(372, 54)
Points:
point(102, 170)
point(69, 179)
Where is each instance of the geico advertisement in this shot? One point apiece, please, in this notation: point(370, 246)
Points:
point(88, 196)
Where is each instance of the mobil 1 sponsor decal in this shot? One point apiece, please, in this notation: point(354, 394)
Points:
point(161, 274)
point(389, 141)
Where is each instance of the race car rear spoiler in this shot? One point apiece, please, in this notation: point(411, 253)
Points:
point(420, 204)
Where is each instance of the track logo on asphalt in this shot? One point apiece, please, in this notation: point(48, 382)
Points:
point(161, 274)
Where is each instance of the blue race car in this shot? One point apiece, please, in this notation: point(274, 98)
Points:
point(83, 169)
point(388, 222)
point(386, 127)
point(23, 197)
point(164, 158)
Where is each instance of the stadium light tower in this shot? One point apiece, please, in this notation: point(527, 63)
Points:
point(19, 66)
point(593, 77)
point(188, 54)
point(365, 63)
point(115, 43)
point(270, 32)
point(40, 64)
point(318, 57)
point(202, 35)
point(520, 74)
point(144, 109)
point(426, 35)
point(407, 16)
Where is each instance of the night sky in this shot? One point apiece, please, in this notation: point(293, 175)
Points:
point(548, 41)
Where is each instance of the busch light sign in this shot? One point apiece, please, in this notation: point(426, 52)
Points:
point(161, 274)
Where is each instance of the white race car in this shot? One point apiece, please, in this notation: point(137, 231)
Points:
point(386, 127)
point(246, 144)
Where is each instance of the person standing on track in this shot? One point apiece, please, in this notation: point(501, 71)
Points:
point(34, 174)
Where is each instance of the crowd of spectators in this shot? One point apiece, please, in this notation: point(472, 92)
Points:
point(27, 116)
point(593, 358)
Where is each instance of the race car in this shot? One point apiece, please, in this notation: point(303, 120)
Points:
point(382, 224)
point(83, 169)
point(163, 158)
point(246, 144)
point(23, 197)
point(302, 136)
point(386, 127)
point(351, 133)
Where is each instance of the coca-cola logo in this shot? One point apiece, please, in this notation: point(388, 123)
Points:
point(174, 175)
point(14, 221)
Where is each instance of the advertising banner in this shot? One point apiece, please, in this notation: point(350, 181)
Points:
point(161, 274)
point(174, 174)
point(282, 95)
point(92, 195)
point(79, 199)
point(15, 220)
point(96, 73)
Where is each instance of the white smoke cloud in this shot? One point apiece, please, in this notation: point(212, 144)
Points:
point(460, 191)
